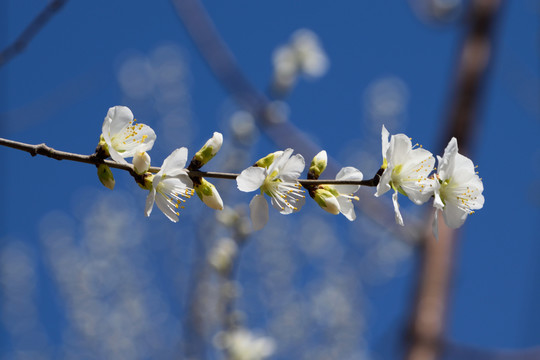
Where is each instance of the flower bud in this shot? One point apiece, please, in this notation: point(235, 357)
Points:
point(141, 162)
point(207, 152)
point(208, 194)
point(327, 200)
point(268, 159)
point(147, 181)
point(105, 176)
point(318, 165)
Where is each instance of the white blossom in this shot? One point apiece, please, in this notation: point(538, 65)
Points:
point(170, 186)
point(406, 170)
point(122, 137)
point(277, 177)
point(458, 188)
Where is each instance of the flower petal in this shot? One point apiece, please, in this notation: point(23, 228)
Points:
point(251, 179)
point(166, 207)
point(384, 183)
point(120, 117)
point(399, 149)
point(280, 205)
point(150, 202)
point(258, 211)
point(446, 163)
point(454, 216)
point(175, 163)
point(280, 160)
point(347, 208)
point(384, 137)
point(435, 225)
point(399, 219)
point(115, 155)
point(348, 173)
point(140, 140)
point(293, 168)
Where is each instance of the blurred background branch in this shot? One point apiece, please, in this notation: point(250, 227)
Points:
point(31, 31)
point(427, 327)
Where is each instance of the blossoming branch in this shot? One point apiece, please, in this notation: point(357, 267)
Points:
point(408, 170)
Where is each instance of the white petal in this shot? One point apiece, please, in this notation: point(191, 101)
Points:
point(384, 183)
point(170, 185)
point(399, 219)
point(347, 208)
point(280, 205)
point(446, 163)
point(384, 137)
point(120, 117)
point(185, 179)
point(251, 179)
point(463, 169)
point(454, 217)
point(150, 202)
point(174, 163)
point(299, 203)
point(140, 140)
point(419, 191)
point(399, 149)
point(435, 225)
point(280, 160)
point(348, 173)
point(116, 156)
point(293, 168)
point(166, 207)
point(258, 211)
point(106, 129)
point(437, 201)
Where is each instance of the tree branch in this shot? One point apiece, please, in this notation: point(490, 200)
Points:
point(44, 150)
point(31, 30)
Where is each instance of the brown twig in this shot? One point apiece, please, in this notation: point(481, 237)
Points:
point(44, 150)
point(427, 324)
point(30, 31)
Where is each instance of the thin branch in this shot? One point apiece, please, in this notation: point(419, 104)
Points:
point(31, 30)
point(44, 150)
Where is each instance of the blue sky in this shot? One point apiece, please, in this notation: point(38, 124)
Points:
point(59, 89)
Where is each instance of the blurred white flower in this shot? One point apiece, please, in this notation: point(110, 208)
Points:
point(458, 188)
point(170, 185)
point(406, 170)
point(276, 175)
point(222, 254)
point(122, 138)
point(310, 55)
point(303, 55)
point(241, 344)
